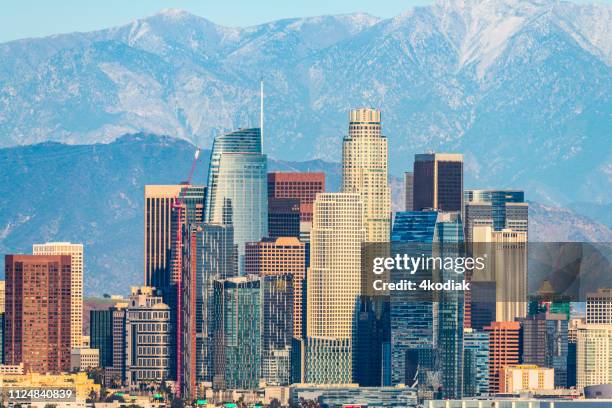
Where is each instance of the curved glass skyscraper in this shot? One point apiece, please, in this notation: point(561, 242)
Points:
point(238, 175)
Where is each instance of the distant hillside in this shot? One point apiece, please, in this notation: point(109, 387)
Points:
point(94, 194)
point(522, 87)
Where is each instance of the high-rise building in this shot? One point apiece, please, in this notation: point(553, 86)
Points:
point(544, 343)
point(237, 178)
point(476, 214)
point(334, 279)
point(2, 291)
point(116, 375)
point(37, 312)
point(593, 355)
point(148, 339)
point(408, 191)
point(508, 207)
point(279, 257)
point(76, 289)
point(101, 335)
point(438, 182)
point(504, 350)
point(412, 320)
point(599, 307)
point(303, 186)
point(283, 217)
point(159, 201)
point(364, 171)
point(506, 268)
point(277, 328)
point(237, 333)
point(572, 340)
point(476, 363)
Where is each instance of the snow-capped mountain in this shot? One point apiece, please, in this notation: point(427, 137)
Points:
point(521, 87)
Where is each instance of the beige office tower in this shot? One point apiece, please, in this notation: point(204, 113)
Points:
point(158, 232)
point(505, 257)
point(76, 283)
point(593, 355)
point(333, 287)
point(364, 171)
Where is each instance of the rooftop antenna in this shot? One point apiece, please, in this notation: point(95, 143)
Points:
point(261, 112)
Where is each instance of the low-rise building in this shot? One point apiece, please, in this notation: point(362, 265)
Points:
point(83, 358)
point(526, 378)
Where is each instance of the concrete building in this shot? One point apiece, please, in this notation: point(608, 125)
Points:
point(83, 358)
point(38, 312)
point(508, 207)
point(438, 182)
point(148, 340)
point(504, 350)
point(364, 171)
point(593, 355)
point(115, 375)
point(334, 285)
point(76, 287)
point(2, 290)
point(515, 379)
point(599, 307)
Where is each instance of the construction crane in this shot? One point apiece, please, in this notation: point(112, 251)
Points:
point(180, 208)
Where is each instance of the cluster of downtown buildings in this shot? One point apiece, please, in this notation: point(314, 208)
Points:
point(256, 280)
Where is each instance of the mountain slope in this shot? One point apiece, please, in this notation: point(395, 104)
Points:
point(522, 87)
point(94, 194)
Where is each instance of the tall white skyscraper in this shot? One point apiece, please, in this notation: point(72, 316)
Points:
point(364, 171)
point(333, 287)
point(76, 283)
point(593, 355)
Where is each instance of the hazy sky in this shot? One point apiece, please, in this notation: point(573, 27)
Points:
point(35, 18)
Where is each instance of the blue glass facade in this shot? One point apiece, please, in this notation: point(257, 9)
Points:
point(237, 177)
point(476, 363)
point(498, 200)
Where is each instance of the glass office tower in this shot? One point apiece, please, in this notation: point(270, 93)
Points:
point(238, 175)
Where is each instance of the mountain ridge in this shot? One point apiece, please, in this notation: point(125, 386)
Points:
point(521, 87)
point(94, 194)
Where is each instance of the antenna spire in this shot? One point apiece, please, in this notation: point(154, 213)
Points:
point(261, 111)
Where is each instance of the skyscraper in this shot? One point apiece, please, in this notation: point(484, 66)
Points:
point(508, 207)
point(283, 217)
point(544, 343)
point(159, 200)
point(364, 171)
point(237, 333)
point(504, 350)
point(506, 268)
point(101, 335)
point(438, 182)
point(237, 178)
point(333, 287)
point(277, 328)
point(219, 261)
point(303, 186)
point(476, 363)
point(279, 257)
point(76, 287)
point(38, 312)
point(593, 355)
point(408, 191)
